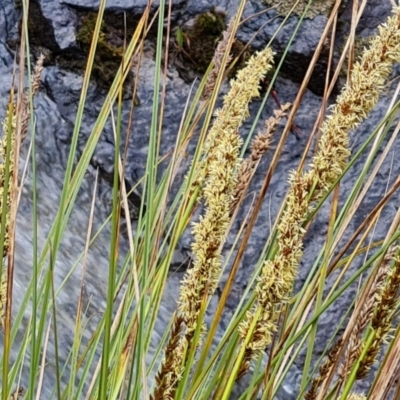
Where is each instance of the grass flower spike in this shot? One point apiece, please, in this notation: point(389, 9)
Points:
point(354, 344)
point(235, 109)
point(222, 164)
point(352, 106)
point(9, 129)
point(209, 233)
point(217, 60)
point(324, 371)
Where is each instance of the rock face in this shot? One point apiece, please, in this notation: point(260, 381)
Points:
point(55, 30)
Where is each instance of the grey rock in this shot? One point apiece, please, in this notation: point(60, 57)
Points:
point(63, 21)
point(62, 14)
point(194, 8)
point(136, 6)
point(9, 18)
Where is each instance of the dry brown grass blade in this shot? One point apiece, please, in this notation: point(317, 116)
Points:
point(388, 367)
point(78, 318)
point(43, 363)
point(129, 359)
point(394, 384)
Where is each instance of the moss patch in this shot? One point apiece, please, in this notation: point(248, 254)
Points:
point(200, 41)
point(316, 8)
point(109, 52)
point(110, 46)
point(195, 46)
point(104, 47)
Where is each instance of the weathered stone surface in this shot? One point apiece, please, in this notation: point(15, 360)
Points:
point(62, 19)
point(62, 13)
point(136, 6)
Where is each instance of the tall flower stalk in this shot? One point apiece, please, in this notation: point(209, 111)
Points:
point(352, 106)
point(209, 233)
